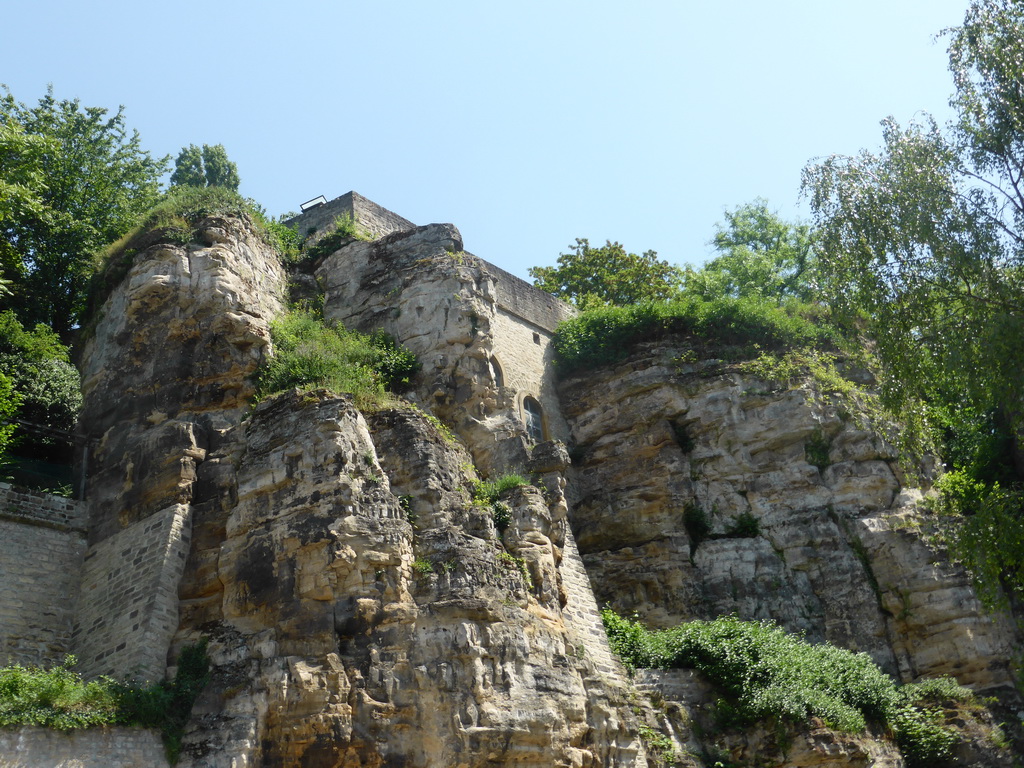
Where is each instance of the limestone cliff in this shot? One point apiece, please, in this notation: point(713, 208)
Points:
point(361, 608)
point(364, 610)
point(832, 549)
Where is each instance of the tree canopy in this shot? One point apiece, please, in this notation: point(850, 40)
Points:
point(922, 244)
point(762, 256)
point(73, 179)
point(41, 384)
point(205, 167)
point(609, 275)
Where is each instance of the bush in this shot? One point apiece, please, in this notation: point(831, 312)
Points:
point(55, 698)
point(745, 526)
point(59, 698)
point(491, 490)
point(310, 353)
point(735, 327)
point(765, 673)
point(697, 524)
point(343, 232)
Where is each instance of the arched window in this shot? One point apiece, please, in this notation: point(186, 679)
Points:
point(533, 415)
point(499, 377)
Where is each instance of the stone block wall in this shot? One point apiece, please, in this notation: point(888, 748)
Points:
point(527, 302)
point(90, 748)
point(581, 611)
point(371, 218)
point(524, 352)
point(42, 543)
point(128, 609)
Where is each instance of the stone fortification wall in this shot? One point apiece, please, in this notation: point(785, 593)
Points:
point(526, 302)
point(42, 542)
point(92, 748)
point(128, 611)
point(525, 354)
point(374, 220)
point(581, 612)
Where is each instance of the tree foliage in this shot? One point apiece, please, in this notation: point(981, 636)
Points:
point(761, 255)
point(609, 275)
point(922, 245)
point(926, 236)
point(44, 383)
point(208, 166)
point(74, 179)
point(9, 402)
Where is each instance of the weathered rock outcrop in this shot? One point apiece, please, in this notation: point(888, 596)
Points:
point(167, 366)
point(830, 549)
point(361, 608)
point(365, 612)
point(456, 313)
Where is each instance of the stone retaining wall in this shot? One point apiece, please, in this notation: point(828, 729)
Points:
point(581, 611)
point(128, 609)
point(42, 543)
point(91, 748)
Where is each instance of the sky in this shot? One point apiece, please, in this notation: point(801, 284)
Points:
point(525, 124)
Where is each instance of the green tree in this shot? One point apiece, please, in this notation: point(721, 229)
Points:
point(208, 166)
point(922, 244)
point(44, 383)
point(188, 168)
point(762, 256)
point(590, 277)
point(74, 179)
point(9, 401)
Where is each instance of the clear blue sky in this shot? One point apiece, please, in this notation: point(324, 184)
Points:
point(526, 124)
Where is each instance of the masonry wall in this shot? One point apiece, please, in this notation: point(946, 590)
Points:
point(42, 543)
point(524, 352)
point(89, 748)
point(527, 302)
point(371, 218)
point(581, 611)
point(128, 610)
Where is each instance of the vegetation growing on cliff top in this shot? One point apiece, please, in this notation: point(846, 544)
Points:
point(737, 328)
point(73, 180)
point(59, 698)
point(764, 674)
point(309, 352)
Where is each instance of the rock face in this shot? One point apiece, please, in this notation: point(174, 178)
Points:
point(366, 612)
point(361, 608)
point(465, 321)
point(696, 497)
point(167, 367)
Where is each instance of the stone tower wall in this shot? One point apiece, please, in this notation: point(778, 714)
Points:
point(374, 220)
